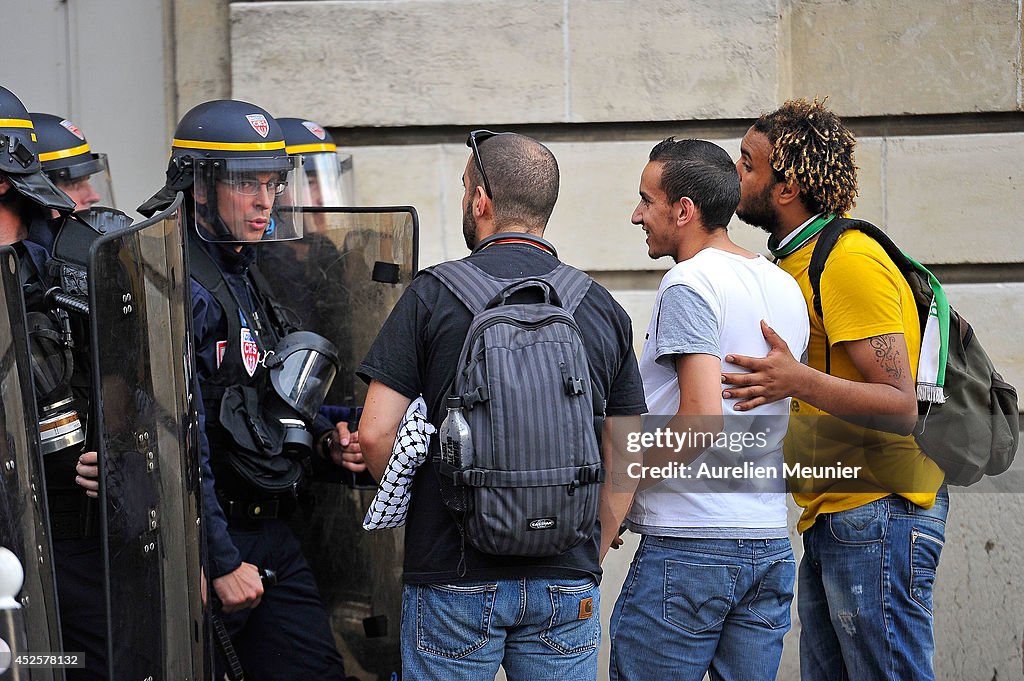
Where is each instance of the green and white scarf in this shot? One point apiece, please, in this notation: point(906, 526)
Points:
point(931, 366)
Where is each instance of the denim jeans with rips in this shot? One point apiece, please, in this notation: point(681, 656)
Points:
point(536, 628)
point(695, 606)
point(865, 591)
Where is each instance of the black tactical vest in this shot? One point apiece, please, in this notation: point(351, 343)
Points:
point(243, 293)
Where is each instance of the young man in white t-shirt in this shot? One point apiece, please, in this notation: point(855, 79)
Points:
point(710, 587)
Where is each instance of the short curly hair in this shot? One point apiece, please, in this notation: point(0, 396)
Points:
point(812, 147)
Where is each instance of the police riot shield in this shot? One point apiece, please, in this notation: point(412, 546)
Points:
point(341, 280)
point(147, 438)
point(24, 528)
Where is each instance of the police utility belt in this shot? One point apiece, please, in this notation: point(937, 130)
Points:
point(260, 509)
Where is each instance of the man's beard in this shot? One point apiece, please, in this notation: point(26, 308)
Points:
point(469, 227)
point(759, 211)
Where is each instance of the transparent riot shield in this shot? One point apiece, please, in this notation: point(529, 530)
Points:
point(341, 280)
point(23, 518)
point(148, 445)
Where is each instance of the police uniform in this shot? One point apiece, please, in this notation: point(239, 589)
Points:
point(329, 175)
point(235, 324)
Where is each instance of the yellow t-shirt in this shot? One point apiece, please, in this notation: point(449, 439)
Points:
point(863, 294)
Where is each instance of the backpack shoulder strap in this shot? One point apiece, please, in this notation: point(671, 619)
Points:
point(827, 241)
point(571, 284)
point(476, 288)
point(823, 247)
point(470, 284)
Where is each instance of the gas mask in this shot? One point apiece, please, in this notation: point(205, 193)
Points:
point(302, 368)
point(52, 366)
point(270, 429)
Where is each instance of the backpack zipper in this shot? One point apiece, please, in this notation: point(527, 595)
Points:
point(570, 322)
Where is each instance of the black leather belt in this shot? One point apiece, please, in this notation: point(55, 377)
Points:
point(252, 510)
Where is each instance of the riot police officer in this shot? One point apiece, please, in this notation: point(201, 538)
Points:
point(32, 209)
point(329, 177)
point(298, 269)
point(26, 197)
point(71, 164)
point(262, 382)
point(73, 513)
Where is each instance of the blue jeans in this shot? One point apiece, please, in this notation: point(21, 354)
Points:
point(690, 606)
point(865, 594)
point(535, 628)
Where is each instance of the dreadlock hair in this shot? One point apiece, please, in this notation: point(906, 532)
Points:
point(812, 148)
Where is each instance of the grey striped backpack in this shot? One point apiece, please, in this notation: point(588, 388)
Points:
point(525, 387)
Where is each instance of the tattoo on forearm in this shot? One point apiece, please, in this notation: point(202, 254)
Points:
point(887, 355)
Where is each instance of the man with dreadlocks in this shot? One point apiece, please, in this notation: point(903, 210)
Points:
point(871, 542)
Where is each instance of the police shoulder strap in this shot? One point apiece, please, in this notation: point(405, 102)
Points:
point(281, 319)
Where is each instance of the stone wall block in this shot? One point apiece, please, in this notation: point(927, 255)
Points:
point(411, 175)
point(878, 57)
point(868, 155)
point(996, 311)
point(956, 198)
point(366, 63)
point(202, 52)
point(597, 194)
point(979, 605)
point(642, 60)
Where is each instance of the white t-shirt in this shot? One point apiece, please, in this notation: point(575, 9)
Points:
point(713, 304)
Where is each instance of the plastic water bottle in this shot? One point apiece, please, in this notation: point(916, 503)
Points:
point(456, 438)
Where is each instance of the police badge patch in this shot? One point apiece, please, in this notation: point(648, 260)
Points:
point(259, 123)
point(250, 351)
point(315, 129)
point(73, 129)
point(221, 347)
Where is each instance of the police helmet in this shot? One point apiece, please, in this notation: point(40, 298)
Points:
point(329, 177)
point(231, 155)
point(69, 162)
point(19, 160)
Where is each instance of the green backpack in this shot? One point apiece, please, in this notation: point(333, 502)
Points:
point(975, 431)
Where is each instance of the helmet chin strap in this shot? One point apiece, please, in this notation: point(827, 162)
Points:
point(211, 218)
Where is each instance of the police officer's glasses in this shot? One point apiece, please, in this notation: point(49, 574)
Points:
point(252, 187)
point(476, 138)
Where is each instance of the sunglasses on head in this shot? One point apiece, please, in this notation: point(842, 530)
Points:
point(475, 139)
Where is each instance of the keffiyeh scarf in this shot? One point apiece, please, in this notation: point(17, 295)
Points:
point(391, 502)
